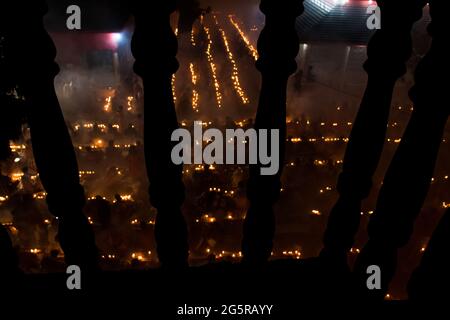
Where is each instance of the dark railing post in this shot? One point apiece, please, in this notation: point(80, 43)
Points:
point(30, 53)
point(154, 47)
point(278, 46)
point(409, 175)
point(8, 258)
point(388, 51)
point(431, 278)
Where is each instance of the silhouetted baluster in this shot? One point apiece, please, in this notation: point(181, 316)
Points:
point(30, 52)
point(278, 46)
point(8, 258)
point(409, 175)
point(154, 46)
point(388, 51)
point(431, 279)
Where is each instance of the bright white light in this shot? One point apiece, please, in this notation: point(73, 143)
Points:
point(324, 5)
point(17, 160)
point(328, 5)
point(117, 37)
point(340, 2)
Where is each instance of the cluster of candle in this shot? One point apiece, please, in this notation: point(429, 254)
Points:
point(213, 67)
point(250, 47)
point(235, 71)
